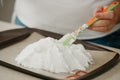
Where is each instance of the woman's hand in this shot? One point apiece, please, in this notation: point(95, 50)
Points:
point(107, 19)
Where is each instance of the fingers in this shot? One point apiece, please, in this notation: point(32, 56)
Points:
point(101, 29)
point(106, 20)
point(98, 10)
point(103, 15)
point(102, 26)
point(102, 23)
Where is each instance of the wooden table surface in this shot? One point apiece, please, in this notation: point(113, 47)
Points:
point(9, 74)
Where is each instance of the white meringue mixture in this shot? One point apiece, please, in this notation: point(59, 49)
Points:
point(50, 55)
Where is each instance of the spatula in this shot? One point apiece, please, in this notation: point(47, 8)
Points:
point(69, 38)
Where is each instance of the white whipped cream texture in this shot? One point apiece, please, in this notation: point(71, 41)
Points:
point(50, 55)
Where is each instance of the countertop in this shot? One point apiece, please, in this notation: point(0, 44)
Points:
point(9, 74)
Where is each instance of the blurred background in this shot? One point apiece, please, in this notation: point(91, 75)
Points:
point(6, 10)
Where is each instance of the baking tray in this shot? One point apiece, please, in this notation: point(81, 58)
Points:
point(13, 41)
